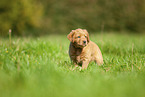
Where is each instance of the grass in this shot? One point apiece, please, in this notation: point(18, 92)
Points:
point(40, 67)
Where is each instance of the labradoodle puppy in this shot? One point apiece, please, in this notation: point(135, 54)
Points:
point(82, 50)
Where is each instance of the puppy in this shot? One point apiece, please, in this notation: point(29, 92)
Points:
point(82, 50)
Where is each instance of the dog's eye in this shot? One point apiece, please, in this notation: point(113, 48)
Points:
point(85, 36)
point(78, 36)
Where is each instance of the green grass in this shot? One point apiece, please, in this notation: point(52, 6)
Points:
point(40, 67)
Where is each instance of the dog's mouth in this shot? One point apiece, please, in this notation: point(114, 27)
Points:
point(84, 45)
point(81, 46)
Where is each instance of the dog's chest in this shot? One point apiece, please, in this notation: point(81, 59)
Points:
point(79, 56)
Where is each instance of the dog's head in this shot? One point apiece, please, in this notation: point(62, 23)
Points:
point(79, 37)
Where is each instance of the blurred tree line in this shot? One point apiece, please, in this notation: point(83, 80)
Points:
point(37, 17)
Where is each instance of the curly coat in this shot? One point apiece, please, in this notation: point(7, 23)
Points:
point(82, 50)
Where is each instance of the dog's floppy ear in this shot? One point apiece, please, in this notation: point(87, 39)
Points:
point(70, 35)
point(88, 39)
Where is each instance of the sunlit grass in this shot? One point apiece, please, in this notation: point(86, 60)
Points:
point(35, 67)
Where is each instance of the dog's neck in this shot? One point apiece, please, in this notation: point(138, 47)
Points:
point(76, 48)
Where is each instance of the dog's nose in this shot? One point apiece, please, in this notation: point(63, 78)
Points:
point(84, 41)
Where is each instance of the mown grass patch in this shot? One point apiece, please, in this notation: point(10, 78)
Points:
point(41, 67)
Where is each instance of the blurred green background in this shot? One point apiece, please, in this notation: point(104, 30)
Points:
point(40, 17)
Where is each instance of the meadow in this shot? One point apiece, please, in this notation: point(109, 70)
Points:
point(40, 67)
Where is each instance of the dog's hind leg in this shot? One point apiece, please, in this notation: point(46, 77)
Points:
point(99, 61)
